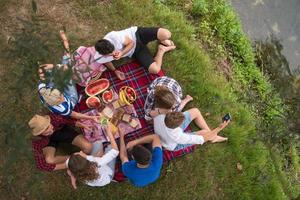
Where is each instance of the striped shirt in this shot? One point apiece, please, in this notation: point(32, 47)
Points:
point(171, 84)
point(64, 109)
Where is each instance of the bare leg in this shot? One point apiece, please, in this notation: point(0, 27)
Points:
point(83, 144)
point(187, 99)
point(163, 34)
point(198, 118)
point(219, 139)
point(213, 135)
point(155, 67)
point(49, 153)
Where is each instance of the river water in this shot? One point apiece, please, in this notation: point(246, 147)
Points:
point(281, 18)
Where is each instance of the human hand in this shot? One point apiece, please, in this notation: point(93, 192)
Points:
point(73, 179)
point(130, 145)
point(43, 68)
point(120, 75)
point(87, 127)
point(117, 55)
point(108, 128)
point(84, 126)
point(121, 133)
point(81, 154)
point(95, 118)
point(189, 98)
point(224, 124)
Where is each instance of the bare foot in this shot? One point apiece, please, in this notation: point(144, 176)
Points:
point(188, 98)
point(218, 139)
point(167, 42)
point(165, 49)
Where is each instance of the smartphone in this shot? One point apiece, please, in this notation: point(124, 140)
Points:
point(226, 117)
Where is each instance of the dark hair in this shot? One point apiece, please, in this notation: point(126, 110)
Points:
point(104, 47)
point(174, 119)
point(83, 169)
point(163, 97)
point(141, 155)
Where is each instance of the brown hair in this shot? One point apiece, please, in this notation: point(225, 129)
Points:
point(141, 154)
point(174, 119)
point(163, 97)
point(83, 169)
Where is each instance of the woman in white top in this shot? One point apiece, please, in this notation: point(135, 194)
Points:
point(94, 170)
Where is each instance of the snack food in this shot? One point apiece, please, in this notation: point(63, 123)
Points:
point(108, 112)
point(97, 87)
point(127, 95)
point(133, 123)
point(103, 121)
point(93, 102)
point(126, 118)
point(116, 104)
point(107, 96)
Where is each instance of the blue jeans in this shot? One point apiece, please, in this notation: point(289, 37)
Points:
point(184, 125)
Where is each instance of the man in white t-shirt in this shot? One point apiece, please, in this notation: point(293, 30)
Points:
point(170, 128)
point(132, 42)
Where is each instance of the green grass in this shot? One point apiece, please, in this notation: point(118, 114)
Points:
point(208, 173)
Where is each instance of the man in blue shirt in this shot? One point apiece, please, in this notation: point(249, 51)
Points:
point(145, 167)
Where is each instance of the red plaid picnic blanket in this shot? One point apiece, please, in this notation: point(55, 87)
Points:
point(139, 79)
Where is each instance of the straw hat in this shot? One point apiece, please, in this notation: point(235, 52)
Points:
point(51, 96)
point(39, 124)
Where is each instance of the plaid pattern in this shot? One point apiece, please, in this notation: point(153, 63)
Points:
point(58, 122)
point(171, 84)
point(139, 79)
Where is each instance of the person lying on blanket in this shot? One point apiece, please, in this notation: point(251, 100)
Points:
point(85, 68)
point(51, 130)
point(97, 170)
point(170, 127)
point(145, 167)
point(164, 93)
point(132, 42)
point(57, 102)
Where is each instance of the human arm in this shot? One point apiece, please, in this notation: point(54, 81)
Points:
point(118, 73)
point(60, 166)
point(158, 111)
point(65, 40)
point(73, 179)
point(128, 45)
point(106, 158)
point(123, 150)
point(210, 135)
point(183, 103)
point(43, 68)
point(111, 137)
point(153, 139)
point(84, 126)
point(77, 115)
point(180, 137)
